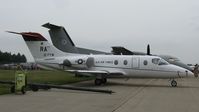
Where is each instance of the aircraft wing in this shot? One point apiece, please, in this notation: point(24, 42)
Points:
point(94, 72)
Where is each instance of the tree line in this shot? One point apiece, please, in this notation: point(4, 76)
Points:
point(6, 58)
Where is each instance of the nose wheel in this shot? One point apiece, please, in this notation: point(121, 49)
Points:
point(173, 83)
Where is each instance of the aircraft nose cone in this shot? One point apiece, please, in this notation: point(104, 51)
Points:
point(185, 73)
point(188, 73)
point(182, 72)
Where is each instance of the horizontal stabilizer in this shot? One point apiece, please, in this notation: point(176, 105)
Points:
point(30, 36)
point(51, 26)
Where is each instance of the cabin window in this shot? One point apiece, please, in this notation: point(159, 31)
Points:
point(116, 62)
point(125, 62)
point(145, 62)
point(155, 61)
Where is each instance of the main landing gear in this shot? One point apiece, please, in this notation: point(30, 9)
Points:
point(100, 81)
point(173, 83)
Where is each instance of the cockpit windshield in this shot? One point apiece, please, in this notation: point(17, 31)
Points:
point(174, 59)
point(159, 61)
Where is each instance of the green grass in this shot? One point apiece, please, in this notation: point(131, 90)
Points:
point(40, 76)
point(4, 89)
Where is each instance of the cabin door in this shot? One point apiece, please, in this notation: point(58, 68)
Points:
point(135, 62)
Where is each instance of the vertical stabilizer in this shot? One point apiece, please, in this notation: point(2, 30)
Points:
point(60, 38)
point(63, 42)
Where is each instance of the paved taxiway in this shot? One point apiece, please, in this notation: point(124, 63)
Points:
point(138, 95)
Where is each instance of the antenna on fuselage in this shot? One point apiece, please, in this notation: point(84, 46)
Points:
point(148, 50)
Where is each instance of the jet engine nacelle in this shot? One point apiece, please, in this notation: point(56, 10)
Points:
point(79, 62)
point(67, 63)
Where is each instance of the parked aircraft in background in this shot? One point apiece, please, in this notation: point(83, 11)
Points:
point(102, 66)
point(63, 42)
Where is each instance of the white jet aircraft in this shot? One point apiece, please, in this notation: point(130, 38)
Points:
point(102, 66)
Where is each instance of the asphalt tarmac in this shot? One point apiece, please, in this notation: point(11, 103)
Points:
point(133, 95)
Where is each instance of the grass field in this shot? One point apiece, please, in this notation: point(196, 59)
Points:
point(40, 76)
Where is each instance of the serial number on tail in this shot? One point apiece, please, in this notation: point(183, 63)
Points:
point(48, 54)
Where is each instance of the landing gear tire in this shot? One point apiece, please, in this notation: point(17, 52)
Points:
point(173, 83)
point(34, 88)
point(104, 80)
point(98, 82)
point(12, 89)
point(23, 90)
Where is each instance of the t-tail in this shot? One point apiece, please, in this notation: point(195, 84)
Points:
point(40, 48)
point(61, 40)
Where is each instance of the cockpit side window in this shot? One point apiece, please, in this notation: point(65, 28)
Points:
point(159, 61)
point(163, 62)
point(155, 61)
point(174, 59)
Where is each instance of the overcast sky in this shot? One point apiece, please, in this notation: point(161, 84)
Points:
point(169, 26)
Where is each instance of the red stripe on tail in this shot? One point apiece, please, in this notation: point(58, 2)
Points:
point(30, 36)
